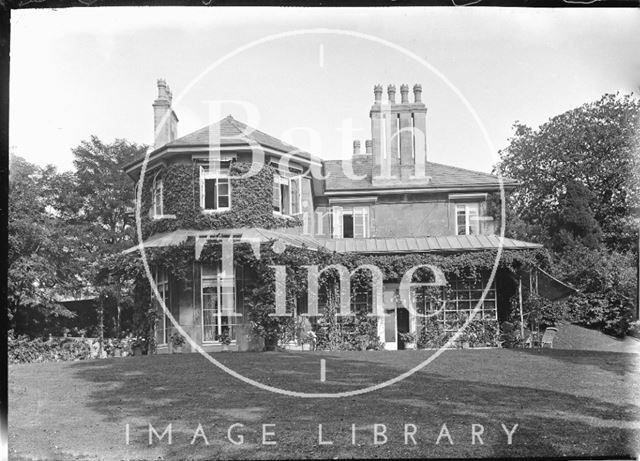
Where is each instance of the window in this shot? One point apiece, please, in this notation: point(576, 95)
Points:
point(215, 187)
point(157, 198)
point(218, 303)
point(287, 195)
point(467, 222)
point(162, 283)
point(352, 223)
point(451, 305)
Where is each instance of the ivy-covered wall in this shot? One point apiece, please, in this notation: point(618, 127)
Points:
point(251, 200)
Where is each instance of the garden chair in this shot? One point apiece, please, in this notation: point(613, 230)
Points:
point(547, 338)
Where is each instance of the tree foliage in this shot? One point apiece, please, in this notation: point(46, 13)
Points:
point(63, 226)
point(579, 174)
point(580, 185)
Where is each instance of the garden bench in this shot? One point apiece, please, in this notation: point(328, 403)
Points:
point(547, 338)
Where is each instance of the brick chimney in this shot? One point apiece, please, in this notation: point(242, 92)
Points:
point(367, 147)
point(398, 132)
point(165, 121)
point(356, 147)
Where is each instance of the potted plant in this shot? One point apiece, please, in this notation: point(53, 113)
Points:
point(224, 339)
point(177, 341)
point(409, 340)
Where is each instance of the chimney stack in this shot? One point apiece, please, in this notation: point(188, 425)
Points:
point(417, 93)
point(356, 147)
point(165, 121)
point(391, 93)
point(404, 93)
point(377, 92)
point(368, 149)
point(398, 138)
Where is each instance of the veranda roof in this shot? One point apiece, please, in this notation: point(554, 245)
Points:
point(292, 237)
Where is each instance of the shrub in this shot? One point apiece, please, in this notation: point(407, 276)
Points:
point(349, 333)
point(431, 335)
point(23, 349)
point(608, 283)
point(634, 329)
point(274, 330)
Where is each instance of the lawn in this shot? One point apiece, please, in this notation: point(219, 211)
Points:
point(565, 403)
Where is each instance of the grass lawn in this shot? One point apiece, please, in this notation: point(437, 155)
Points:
point(565, 403)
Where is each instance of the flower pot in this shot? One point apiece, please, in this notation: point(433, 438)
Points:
point(225, 348)
point(117, 353)
point(137, 350)
point(177, 350)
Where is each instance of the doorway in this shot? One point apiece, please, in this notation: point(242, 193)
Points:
point(403, 325)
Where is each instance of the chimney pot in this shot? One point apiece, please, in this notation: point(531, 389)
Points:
point(162, 89)
point(391, 93)
point(368, 147)
point(164, 119)
point(356, 147)
point(417, 92)
point(377, 92)
point(404, 93)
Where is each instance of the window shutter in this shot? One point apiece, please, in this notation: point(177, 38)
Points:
point(337, 222)
point(296, 195)
point(361, 222)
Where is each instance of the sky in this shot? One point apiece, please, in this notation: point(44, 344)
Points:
point(306, 74)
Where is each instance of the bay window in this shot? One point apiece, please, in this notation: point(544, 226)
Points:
point(163, 325)
point(287, 195)
point(215, 187)
point(218, 304)
point(157, 198)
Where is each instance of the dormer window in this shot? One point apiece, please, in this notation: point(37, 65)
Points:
point(215, 187)
point(158, 206)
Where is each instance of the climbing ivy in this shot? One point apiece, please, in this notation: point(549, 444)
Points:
point(251, 200)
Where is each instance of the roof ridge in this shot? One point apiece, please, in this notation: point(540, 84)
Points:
point(470, 171)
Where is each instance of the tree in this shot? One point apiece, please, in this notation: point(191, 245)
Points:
point(580, 182)
point(593, 148)
point(38, 259)
point(65, 227)
point(106, 192)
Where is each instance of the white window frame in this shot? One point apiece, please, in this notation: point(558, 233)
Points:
point(278, 181)
point(337, 222)
point(162, 284)
point(468, 208)
point(158, 193)
point(220, 279)
point(219, 176)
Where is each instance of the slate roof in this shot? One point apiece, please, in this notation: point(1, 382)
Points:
point(232, 132)
point(442, 176)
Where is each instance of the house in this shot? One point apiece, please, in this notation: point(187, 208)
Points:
point(388, 204)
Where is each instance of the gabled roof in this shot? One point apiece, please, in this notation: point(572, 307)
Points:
point(232, 132)
point(442, 177)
